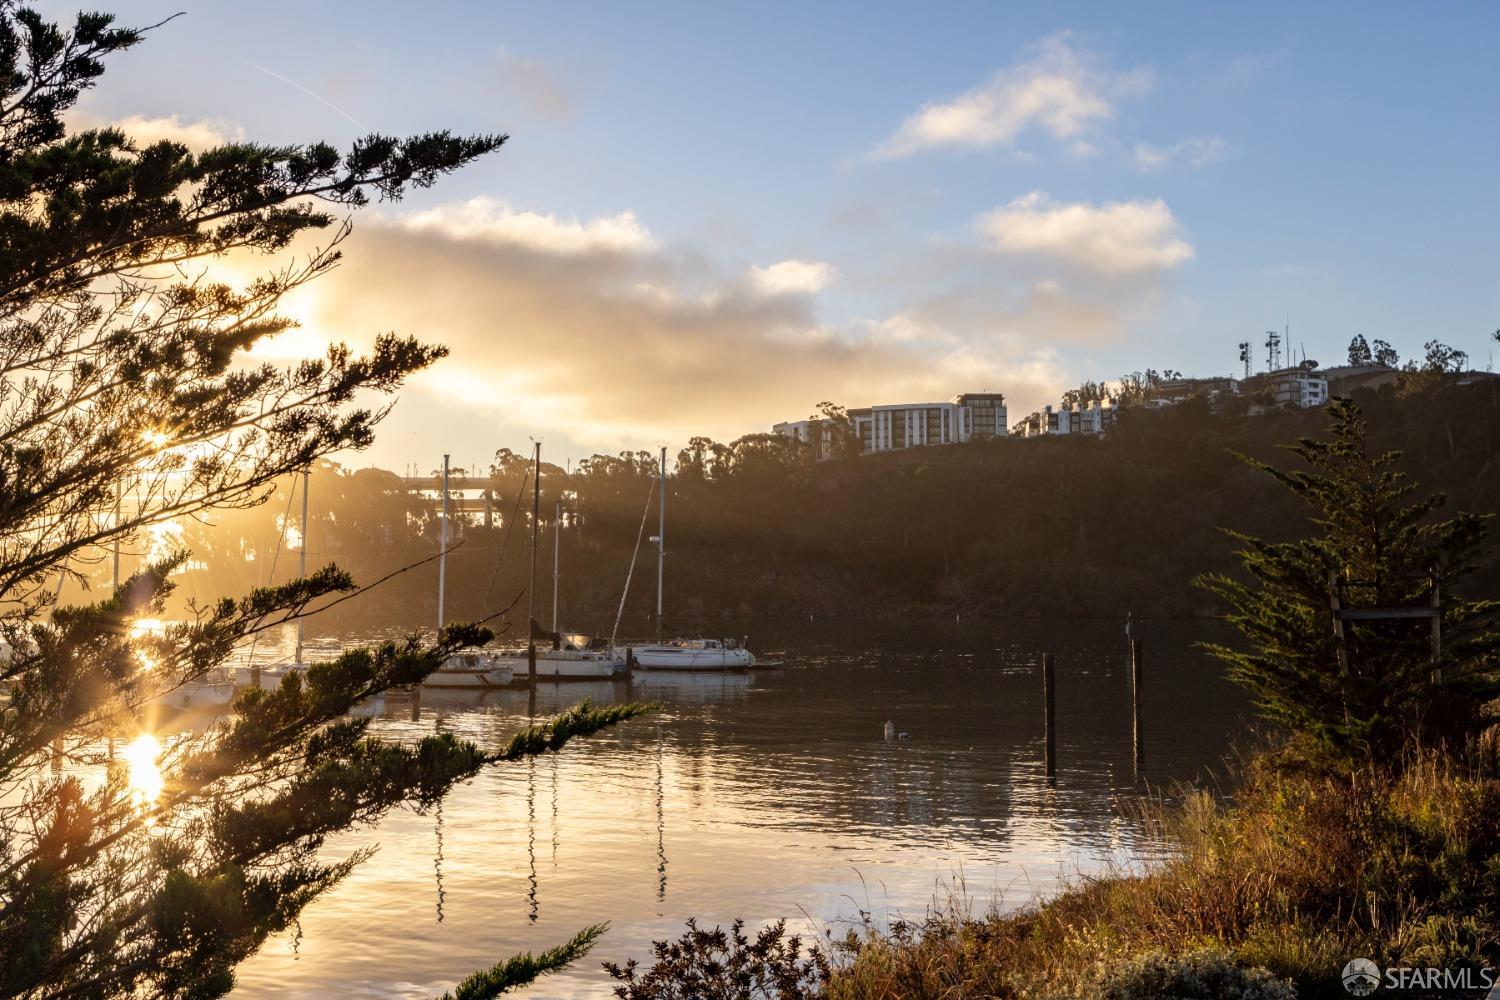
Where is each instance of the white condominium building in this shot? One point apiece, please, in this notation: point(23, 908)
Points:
point(892, 426)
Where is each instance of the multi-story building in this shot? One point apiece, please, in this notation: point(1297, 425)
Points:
point(813, 431)
point(971, 416)
point(1095, 418)
point(1303, 385)
point(1175, 390)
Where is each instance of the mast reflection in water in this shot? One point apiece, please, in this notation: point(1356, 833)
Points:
point(775, 794)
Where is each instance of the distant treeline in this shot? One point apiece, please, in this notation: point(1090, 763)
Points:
point(1051, 526)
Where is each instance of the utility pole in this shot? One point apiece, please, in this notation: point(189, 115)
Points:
point(302, 563)
point(661, 535)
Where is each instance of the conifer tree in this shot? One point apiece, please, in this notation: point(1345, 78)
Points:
point(127, 400)
point(1364, 688)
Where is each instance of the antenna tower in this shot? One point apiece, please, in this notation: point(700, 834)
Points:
point(1273, 350)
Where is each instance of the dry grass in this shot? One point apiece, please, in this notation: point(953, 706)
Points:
point(1304, 872)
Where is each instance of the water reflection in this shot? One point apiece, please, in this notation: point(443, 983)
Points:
point(764, 794)
point(437, 861)
point(142, 755)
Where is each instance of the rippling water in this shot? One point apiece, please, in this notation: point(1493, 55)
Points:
point(762, 795)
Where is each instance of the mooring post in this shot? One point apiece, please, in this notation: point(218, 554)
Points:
point(1138, 739)
point(1049, 697)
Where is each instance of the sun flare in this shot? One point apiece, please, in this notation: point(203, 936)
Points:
point(141, 756)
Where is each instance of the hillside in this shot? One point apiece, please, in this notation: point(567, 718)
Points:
point(1052, 526)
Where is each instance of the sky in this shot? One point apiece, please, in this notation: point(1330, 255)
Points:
point(710, 217)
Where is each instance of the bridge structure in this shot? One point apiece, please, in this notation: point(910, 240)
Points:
point(466, 494)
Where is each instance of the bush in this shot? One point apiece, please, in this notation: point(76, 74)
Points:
point(1200, 975)
point(713, 965)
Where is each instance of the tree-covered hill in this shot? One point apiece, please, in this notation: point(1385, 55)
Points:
point(1052, 526)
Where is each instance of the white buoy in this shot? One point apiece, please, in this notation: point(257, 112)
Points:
point(890, 731)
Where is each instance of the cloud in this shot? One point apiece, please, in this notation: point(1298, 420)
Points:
point(197, 134)
point(1120, 238)
point(489, 220)
point(1060, 90)
point(1197, 151)
point(563, 328)
point(793, 277)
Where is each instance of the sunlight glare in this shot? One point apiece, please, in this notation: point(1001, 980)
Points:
point(145, 775)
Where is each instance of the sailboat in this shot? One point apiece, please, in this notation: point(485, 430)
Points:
point(570, 656)
point(269, 677)
point(687, 653)
point(467, 668)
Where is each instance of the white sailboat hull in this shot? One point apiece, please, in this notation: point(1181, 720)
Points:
point(666, 657)
point(461, 670)
point(567, 665)
point(202, 693)
point(471, 670)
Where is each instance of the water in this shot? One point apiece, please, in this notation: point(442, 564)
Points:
point(765, 795)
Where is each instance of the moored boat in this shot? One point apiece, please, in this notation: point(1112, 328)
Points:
point(684, 653)
point(472, 668)
point(693, 654)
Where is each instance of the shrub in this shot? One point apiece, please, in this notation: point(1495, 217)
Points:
point(713, 965)
point(1199, 975)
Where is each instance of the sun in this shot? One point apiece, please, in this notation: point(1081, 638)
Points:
point(141, 756)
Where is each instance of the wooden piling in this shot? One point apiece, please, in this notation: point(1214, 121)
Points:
point(1049, 697)
point(1138, 738)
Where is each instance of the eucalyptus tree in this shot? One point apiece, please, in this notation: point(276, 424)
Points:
point(127, 398)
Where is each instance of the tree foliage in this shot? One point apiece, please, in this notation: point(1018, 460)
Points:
point(1359, 351)
point(1361, 688)
point(127, 401)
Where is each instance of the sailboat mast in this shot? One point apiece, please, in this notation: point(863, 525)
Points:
point(536, 515)
point(302, 563)
point(116, 577)
point(661, 534)
point(556, 555)
point(443, 546)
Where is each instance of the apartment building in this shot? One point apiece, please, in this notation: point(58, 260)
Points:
point(813, 431)
point(966, 417)
point(970, 416)
point(1095, 418)
point(1302, 386)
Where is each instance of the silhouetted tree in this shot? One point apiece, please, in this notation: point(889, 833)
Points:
point(1086, 394)
point(1441, 359)
point(1359, 351)
point(843, 442)
point(1386, 355)
point(1379, 687)
point(126, 400)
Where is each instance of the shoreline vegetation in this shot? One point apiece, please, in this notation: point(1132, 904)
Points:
point(993, 529)
point(1367, 828)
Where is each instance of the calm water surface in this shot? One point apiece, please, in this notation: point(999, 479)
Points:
point(764, 795)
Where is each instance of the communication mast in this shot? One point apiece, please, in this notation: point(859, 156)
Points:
point(1245, 356)
point(1273, 350)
